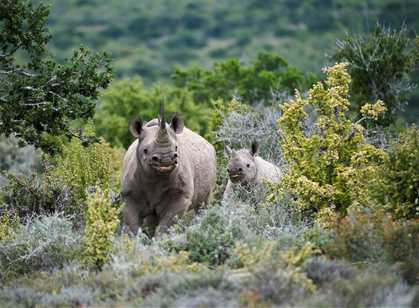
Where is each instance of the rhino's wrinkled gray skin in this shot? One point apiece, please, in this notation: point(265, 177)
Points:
point(167, 170)
point(246, 168)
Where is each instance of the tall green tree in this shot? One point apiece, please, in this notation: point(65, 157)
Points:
point(381, 65)
point(268, 75)
point(38, 96)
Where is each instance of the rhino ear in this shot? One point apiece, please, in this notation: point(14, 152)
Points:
point(254, 148)
point(227, 151)
point(177, 124)
point(136, 128)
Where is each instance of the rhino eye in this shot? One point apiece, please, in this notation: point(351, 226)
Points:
point(248, 165)
point(145, 151)
point(176, 148)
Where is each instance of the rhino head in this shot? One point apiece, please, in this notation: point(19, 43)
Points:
point(157, 150)
point(241, 167)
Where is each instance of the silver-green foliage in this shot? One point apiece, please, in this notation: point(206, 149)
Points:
point(44, 242)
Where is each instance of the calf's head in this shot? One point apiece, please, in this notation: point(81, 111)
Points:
point(157, 150)
point(241, 167)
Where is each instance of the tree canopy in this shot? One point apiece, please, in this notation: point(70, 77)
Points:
point(39, 97)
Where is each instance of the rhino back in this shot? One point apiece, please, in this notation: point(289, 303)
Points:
point(267, 171)
point(200, 154)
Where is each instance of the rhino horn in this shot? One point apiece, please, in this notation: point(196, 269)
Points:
point(162, 135)
point(162, 122)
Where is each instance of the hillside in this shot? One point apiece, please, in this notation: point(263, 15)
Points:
point(149, 38)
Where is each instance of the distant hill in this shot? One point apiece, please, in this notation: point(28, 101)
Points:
point(150, 37)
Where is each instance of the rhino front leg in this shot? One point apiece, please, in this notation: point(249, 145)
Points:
point(228, 191)
point(169, 213)
point(131, 215)
point(150, 223)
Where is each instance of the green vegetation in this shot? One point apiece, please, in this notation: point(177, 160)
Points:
point(155, 38)
point(380, 65)
point(149, 38)
point(81, 168)
point(43, 242)
point(8, 225)
point(101, 223)
point(196, 93)
point(66, 179)
point(128, 99)
point(342, 228)
point(400, 174)
point(40, 97)
point(332, 167)
point(268, 75)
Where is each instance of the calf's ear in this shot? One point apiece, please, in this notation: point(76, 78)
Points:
point(177, 124)
point(254, 148)
point(136, 128)
point(227, 151)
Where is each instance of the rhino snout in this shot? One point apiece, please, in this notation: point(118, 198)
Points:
point(235, 174)
point(232, 171)
point(165, 159)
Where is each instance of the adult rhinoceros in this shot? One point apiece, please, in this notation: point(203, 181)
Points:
point(167, 170)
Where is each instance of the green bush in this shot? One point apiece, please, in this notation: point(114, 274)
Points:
point(268, 75)
point(81, 167)
point(358, 237)
point(323, 271)
point(401, 240)
point(377, 237)
point(366, 289)
point(34, 194)
point(43, 243)
point(8, 225)
point(127, 99)
point(400, 190)
point(101, 223)
point(17, 159)
point(331, 166)
point(212, 240)
point(65, 180)
point(41, 97)
point(381, 66)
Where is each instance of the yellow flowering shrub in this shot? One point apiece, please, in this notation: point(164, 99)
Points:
point(172, 263)
point(297, 257)
point(102, 220)
point(81, 167)
point(249, 256)
point(373, 110)
point(331, 164)
point(8, 225)
point(286, 263)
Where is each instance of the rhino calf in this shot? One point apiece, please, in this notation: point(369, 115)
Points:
point(246, 168)
point(167, 170)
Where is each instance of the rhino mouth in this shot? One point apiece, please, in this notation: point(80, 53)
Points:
point(237, 177)
point(166, 168)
